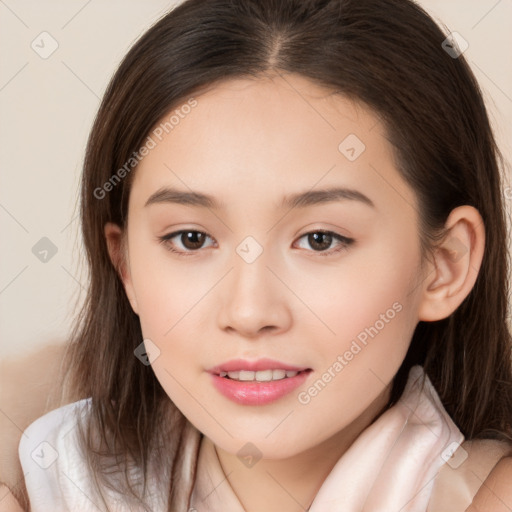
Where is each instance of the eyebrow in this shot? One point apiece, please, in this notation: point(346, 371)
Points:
point(329, 195)
point(172, 195)
point(298, 200)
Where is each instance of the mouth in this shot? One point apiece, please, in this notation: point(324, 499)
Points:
point(257, 382)
point(261, 375)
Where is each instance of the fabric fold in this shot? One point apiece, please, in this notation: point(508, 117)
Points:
point(392, 465)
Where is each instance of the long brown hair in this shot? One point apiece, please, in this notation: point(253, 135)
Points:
point(385, 53)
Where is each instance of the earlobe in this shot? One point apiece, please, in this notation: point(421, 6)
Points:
point(457, 261)
point(116, 244)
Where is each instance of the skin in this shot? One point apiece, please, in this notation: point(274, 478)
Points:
point(248, 143)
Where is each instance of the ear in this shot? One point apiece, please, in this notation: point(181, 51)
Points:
point(118, 252)
point(457, 261)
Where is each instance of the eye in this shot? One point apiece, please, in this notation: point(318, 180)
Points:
point(187, 240)
point(321, 241)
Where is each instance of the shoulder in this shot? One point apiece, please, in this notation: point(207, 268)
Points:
point(52, 462)
point(478, 478)
point(495, 494)
point(40, 439)
point(57, 473)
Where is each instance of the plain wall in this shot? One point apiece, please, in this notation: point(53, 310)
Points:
point(47, 107)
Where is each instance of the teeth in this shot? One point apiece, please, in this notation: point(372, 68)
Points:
point(245, 375)
point(259, 376)
point(263, 375)
point(278, 374)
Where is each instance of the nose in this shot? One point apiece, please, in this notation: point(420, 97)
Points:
point(253, 302)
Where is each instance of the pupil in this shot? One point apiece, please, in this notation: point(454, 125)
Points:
point(192, 239)
point(316, 239)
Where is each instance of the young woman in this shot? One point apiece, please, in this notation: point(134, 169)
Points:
point(293, 218)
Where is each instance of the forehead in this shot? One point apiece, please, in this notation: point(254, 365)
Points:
point(264, 136)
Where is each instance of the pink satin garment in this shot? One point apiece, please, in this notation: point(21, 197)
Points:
point(390, 467)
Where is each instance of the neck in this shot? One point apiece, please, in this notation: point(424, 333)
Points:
point(291, 484)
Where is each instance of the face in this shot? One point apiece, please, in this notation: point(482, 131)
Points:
point(272, 273)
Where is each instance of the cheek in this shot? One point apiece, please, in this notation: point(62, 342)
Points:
point(166, 291)
point(365, 297)
point(173, 301)
point(373, 316)
point(369, 305)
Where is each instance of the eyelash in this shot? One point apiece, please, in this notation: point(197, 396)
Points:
point(343, 246)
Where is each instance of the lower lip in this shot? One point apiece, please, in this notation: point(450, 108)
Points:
point(258, 393)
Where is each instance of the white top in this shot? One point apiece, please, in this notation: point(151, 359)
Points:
point(56, 475)
point(392, 464)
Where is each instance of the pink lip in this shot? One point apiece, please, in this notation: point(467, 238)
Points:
point(252, 392)
point(261, 364)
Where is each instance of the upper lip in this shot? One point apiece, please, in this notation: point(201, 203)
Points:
point(235, 365)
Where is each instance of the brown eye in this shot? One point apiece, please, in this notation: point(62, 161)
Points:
point(320, 241)
point(184, 242)
point(192, 239)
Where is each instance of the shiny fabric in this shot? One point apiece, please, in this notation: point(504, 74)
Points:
point(391, 466)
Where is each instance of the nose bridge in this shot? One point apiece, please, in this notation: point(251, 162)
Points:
point(250, 276)
point(253, 299)
point(250, 271)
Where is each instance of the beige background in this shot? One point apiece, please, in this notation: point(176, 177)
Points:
point(46, 110)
